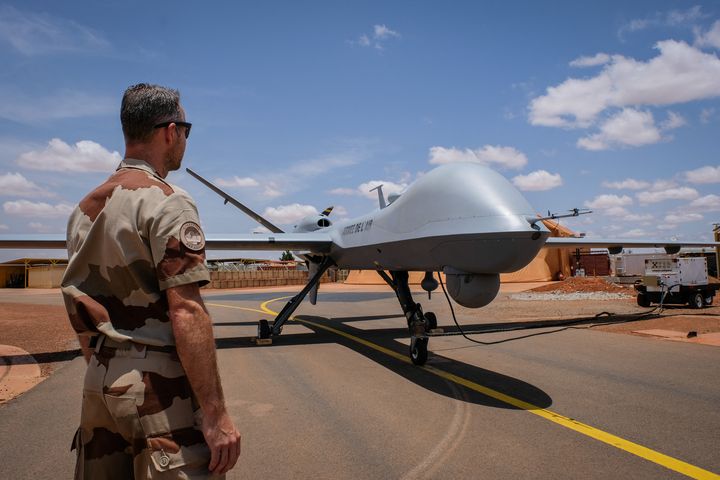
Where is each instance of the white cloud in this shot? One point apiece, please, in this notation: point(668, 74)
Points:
point(706, 115)
point(38, 34)
point(662, 185)
point(617, 212)
point(627, 184)
point(343, 191)
point(58, 156)
point(679, 74)
point(704, 175)
point(17, 185)
point(271, 190)
point(595, 60)
point(339, 211)
point(708, 203)
point(287, 214)
point(711, 38)
point(382, 32)
point(20, 107)
point(388, 188)
point(679, 193)
point(490, 155)
point(682, 218)
point(37, 209)
point(674, 120)
point(539, 180)
point(260, 229)
point(41, 227)
point(319, 166)
point(628, 128)
point(291, 178)
point(602, 202)
point(637, 217)
point(672, 18)
point(377, 39)
point(634, 233)
point(241, 182)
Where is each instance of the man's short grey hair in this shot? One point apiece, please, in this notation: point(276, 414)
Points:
point(143, 107)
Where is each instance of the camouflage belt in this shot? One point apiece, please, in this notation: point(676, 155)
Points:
point(109, 347)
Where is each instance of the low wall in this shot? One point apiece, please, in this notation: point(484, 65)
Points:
point(261, 278)
point(46, 276)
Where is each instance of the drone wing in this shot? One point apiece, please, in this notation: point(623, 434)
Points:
point(307, 242)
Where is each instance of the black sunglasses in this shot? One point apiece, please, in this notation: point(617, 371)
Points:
point(187, 126)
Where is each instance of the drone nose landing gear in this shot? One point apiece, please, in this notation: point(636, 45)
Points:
point(420, 324)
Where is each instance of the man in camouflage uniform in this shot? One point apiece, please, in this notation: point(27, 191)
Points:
point(153, 404)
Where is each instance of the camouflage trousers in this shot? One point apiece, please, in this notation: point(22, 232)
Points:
point(139, 418)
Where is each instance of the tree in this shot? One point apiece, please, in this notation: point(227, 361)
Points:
point(287, 255)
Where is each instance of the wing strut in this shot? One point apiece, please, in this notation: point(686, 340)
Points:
point(229, 199)
point(294, 302)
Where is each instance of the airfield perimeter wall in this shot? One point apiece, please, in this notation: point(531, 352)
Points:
point(263, 278)
point(50, 277)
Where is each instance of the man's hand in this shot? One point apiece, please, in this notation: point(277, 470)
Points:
point(196, 348)
point(224, 441)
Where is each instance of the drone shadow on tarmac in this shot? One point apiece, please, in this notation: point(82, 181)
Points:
point(387, 338)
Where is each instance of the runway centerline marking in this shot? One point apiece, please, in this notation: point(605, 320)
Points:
point(646, 453)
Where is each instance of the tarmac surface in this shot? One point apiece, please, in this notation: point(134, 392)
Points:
point(335, 395)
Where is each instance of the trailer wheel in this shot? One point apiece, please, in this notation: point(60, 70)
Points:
point(643, 300)
point(708, 300)
point(697, 300)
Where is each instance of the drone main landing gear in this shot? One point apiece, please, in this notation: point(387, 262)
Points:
point(266, 331)
point(419, 323)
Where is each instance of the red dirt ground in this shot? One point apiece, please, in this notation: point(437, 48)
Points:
point(37, 329)
point(585, 284)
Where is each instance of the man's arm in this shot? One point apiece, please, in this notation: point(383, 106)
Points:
point(192, 327)
point(85, 347)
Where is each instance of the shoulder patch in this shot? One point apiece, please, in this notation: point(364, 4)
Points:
point(191, 236)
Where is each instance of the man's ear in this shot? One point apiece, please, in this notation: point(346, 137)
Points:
point(170, 133)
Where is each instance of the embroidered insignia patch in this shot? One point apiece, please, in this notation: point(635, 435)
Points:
point(192, 237)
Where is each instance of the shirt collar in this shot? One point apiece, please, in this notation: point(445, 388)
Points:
point(138, 164)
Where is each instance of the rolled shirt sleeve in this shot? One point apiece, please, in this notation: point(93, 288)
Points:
point(177, 243)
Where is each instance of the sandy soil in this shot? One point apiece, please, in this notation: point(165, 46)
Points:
point(42, 330)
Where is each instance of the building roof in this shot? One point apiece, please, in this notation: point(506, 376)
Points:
point(34, 262)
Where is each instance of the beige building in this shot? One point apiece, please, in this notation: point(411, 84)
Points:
point(32, 273)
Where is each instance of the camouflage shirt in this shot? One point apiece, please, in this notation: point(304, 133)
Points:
point(128, 240)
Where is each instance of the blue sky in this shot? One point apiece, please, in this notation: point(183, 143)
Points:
point(300, 105)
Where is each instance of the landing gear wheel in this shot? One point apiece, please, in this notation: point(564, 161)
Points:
point(643, 300)
point(431, 320)
point(697, 300)
point(418, 350)
point(263, 329)
point(708, 300)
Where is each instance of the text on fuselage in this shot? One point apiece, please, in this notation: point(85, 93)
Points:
point(357, 227)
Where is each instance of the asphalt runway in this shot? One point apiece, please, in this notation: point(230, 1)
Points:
point(335, 397)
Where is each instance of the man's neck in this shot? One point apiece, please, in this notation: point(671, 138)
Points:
point(147, 154)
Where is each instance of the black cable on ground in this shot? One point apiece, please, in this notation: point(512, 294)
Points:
point(566, 324)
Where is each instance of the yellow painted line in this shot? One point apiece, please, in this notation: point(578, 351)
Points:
point(613, 440)
point(236, 308)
